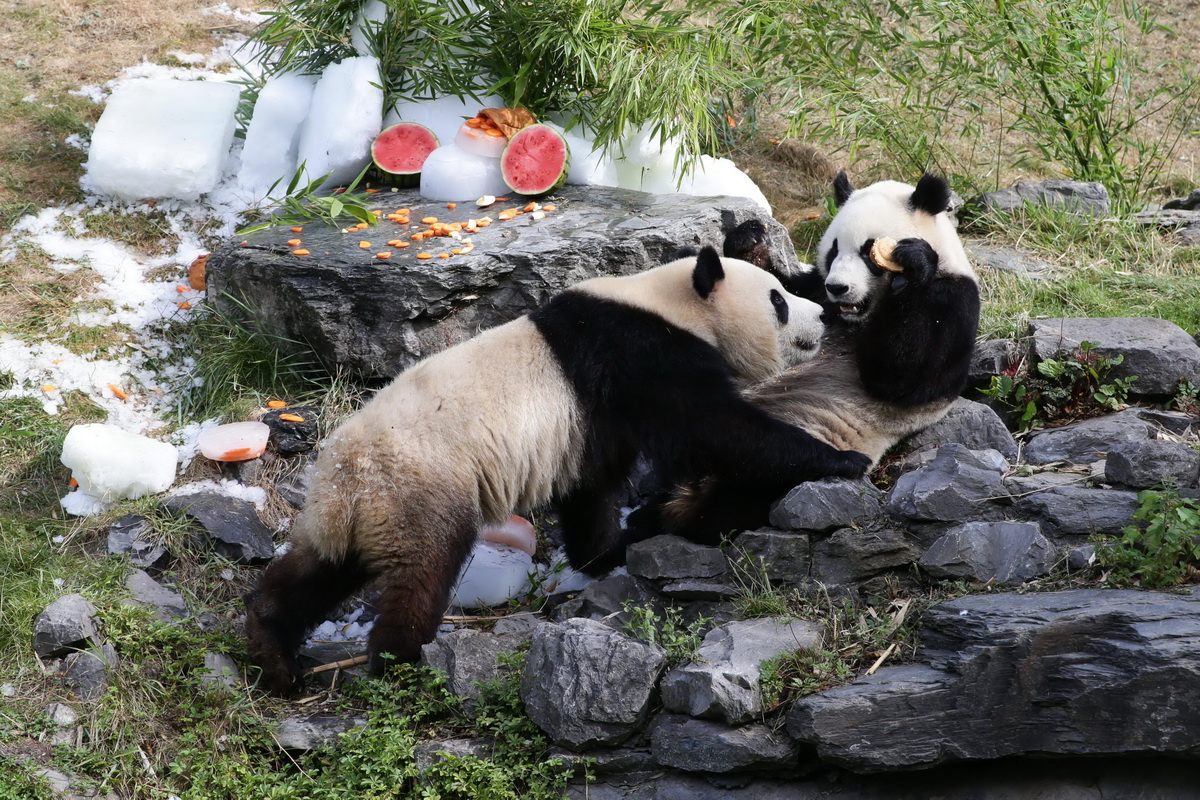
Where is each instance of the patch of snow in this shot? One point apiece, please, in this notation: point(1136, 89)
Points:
point(251, 494)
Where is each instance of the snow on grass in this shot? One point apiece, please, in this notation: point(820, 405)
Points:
point(228, 488)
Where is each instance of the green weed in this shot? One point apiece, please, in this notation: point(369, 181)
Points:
point(1161, 550)
point(680, 640)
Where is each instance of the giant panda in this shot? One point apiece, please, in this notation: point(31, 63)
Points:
point(895, 355)
point(554, 406)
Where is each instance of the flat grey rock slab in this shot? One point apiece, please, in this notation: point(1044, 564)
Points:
point(231, 526)
point(1085, 672)
point(1081, 197)
point(86, 672)
point(827, 504)
point(1000, 552)
point(991, 358)
point(674, 558)
point(1007, 259)
point(430, 753)
point(1158, 352)
point(69, 623)
point(782, 557)
point(376, 317)
point(968, 423)
point(314, 731)
point(723, 683)
point(587, 685)
point(1080, 511)
point(698, 745)
point(850, 556)
point(1088, 441)
point(167, 604)
point(1150, 463)
point(468, 658)
point(129, 536)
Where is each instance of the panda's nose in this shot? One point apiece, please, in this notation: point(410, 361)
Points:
point(836, 289)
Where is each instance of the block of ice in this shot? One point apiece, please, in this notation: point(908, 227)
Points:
point(345, 116)
point(273, 135)
point(110, 464)
point(589, 165)
point(372, 13)
point(444, 115)
point(514, 532)
point(162, 138)
point(236, 441)
point(720, 176)
point(451, 173)
point(493, 575)
point(644, 147)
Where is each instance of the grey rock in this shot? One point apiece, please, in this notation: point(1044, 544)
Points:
point(1011, 674)
point(850, 556)
point(990, 358)
point(1075, 511)
point(231, 526)
point(1154, 462)
point(723, 682)
point(1007, 259)
point(314, 731)
point(699, 589)
point(781, 558)
point(608, 760)
point(69, 623)
point(129, 537)
point(293, 487)
point(951, 489)
point(1189, 235)
point(1019, 486)
point(518, 627)
point(291, 437)
point(967, 423)
point(1000, 552)
point(1082, 197)
point(1087, 441)
point(86, 671)
point(220, 672)
point(429, 753)
point(62, 714)
point(146, 592)
point(1158, 352)
point(606, 600)
point(699, 745)
point(1082, 557)
point(1168, 218)
point(468, 658)
point(983, 459)
point(328, 652)
point(673, 558)
point(827, 504)
point(587, 685)
point(1189, 203)
point(375, 318)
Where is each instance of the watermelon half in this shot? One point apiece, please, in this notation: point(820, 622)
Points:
point(400, 150)
point(536, 160)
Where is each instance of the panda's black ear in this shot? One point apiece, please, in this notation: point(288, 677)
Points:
point(932, 195)
point(841, 188)
point(708, 272)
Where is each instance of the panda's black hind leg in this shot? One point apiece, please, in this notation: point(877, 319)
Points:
point(591, 533)
point(415, 592)
point(295, 592)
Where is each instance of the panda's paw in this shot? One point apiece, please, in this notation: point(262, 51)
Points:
point(851, 464)
point(918, 259)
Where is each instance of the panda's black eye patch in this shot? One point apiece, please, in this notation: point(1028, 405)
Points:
point(781, 306)
point(865, 253)
point(831, 255)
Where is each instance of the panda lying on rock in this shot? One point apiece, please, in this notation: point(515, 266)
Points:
point(554, 406)
point(895, 356)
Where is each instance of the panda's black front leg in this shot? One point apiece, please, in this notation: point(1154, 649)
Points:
point(591, 531)
point(915, 346)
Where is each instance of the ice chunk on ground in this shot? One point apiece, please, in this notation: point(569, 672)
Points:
point(273, 135)
point(372, 12)
point(110, 464)
point(589, 164)
point(345, 117)
point(451, 173)
point(443, 115)
point(162, 138)
point(720, 176)
point(493, 575)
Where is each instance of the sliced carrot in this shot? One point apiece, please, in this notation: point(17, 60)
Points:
point(74, 483)
point(235, 455)
point(118, 391)
point(454, 226)
point(404, 211)
point(531, 207)
point(276, 404)
point(393, 243)
point(297, 229)
point(416, 237)
point(474, 122)
point(494, 132)
point(184, 306)
point(291, 418)
point(48, 387)
point(182, 289)
point(429, 220)
point(813, 216)
point(400, 245)
point(364, 244)
point(443, 255)
point(293, 242)
point(384, 254)
point(502, 199)
point(466, 249)
point(457, 251)
point(509, 214)
point(549, 208)
point(372, 191)
point(451, 206)
point(424, 255)
point(300, 252)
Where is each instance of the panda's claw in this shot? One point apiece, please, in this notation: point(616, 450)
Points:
point(918, 258)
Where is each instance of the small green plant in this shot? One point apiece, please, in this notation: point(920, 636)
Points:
point(680, 639)
point(301, 204)
point(1162, 549)
point(1187, 398)
point(1077, 385)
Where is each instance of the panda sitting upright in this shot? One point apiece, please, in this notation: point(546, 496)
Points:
point(895, 355)
point(553, 406)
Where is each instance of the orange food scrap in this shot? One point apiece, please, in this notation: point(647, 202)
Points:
point(297, 229)
point(48, 387)
point(300, 252)
point(276, 404)
point(502, 199)
point(416, 237)
point(730, 120)
point(451, 206)
point(196, 273)
point(400, 245)
point(493, 132)
point(184, 306)
point(116, 390)
point(474, 122)
point(443, 255)
point(239, 454)
point(549, 208)
point(531, 207)
point(364, 244)
point(293, 242)
point(384, 254)
point(74, 483)
point(813, 216)
point(393, 243)
point(509, 214)
point(291, 418)
point(424, 255)
point(462, 251)
point(372, 191)
point(457, 251)
point(181, 289)
point(429, 220)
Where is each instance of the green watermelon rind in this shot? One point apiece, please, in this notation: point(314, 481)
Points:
point(514, 142)
point(401, 177)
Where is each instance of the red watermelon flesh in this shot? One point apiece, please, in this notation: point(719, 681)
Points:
point(536, 160)
point(401, 149)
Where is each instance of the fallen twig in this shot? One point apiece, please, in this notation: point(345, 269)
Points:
point(343, 664)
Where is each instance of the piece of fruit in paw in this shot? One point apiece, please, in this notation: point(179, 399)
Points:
point(881, 254)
